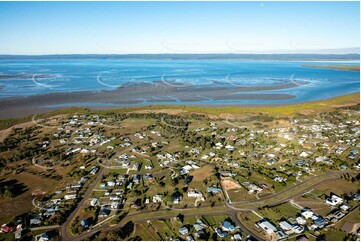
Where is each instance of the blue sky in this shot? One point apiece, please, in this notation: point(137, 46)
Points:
point(177, 27)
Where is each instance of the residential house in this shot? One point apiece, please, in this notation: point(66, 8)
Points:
point(320, 222)
point(114, 205)
point(237, 237)
point(334, 200)
point(84, 224)
point(114, 198)
point(104, 212)
point(344, 207)
point(307, 214)
point(36, 221)
point(301, 220)
point(189, 238)
point(111, 183)
point(285, 225)
point(199, 225)
point(268, 227)
point(157, 198)
point(221, 233)
point(183, 230)
point(42, 237)
point(214, 189)
point(177, 197)
point(297, 229)
point(228, 226)
point(94, 202)
point(194, 193)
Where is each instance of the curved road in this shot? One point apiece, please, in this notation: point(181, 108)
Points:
point(230, 210)
point(64, 231)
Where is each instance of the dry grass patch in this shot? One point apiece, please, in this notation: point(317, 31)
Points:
point(339, 187)
point(202, 173)
point(228, 184)
point(10, 207)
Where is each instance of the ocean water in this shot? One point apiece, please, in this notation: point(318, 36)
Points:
point(33, 77)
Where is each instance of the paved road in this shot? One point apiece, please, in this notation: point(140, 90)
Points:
point(230, 210)
point(90, 188)
point(145, 218)
point(268, 200)
point(45, 227)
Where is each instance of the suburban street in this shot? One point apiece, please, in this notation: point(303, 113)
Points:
point(286, 194)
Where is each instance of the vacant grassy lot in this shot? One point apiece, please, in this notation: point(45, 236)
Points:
point(335, 235)
point(276, 213)
point(215, 220)
point(315, 204)
point(239, 195)
point(339, 187)
point(163, 228)
point(353, 217)
point(202, 173)
point(10, 207)
point(146, 232)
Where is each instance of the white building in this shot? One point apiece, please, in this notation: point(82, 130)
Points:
point(334, 200)
point(307, 214)
point(157, 199)
point(70, 196)
point(267, 227)
point(94, 202)
point(301, 220)
point(285, 225)
point(114, 205)
point(194, 193)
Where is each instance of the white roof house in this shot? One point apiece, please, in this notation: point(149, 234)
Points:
point(344, 207)
point(267, 227)
point(70, 196)
point(114, 198)
point(114, 205)
point(304, 154)
point(285, 225)
point(297, 229)
point(194, 193)
point(157, 199)
point(307, 214)
point(301, 220)
point(111, 183)
point(183, 230)
point(94, 202)
point(334, 200)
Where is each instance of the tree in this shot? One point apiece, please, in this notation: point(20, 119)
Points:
point(180, 217)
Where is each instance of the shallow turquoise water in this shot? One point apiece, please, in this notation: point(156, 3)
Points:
point(46, 76)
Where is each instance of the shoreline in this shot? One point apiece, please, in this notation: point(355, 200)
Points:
point(145, 94)
point(323, 105)
point(138, 95)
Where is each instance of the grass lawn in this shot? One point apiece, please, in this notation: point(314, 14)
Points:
point(10, 207)
point(7, 237)
point(339, 187)
point(239, 195)
point(335, 235)
point(215, 220)
point(316, 204)
point(282, 211)
point(353, 217)
point(249, 219)
point(202, 173)
point(145, 232)
point(163, 228)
